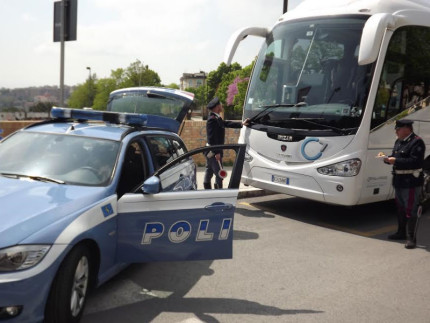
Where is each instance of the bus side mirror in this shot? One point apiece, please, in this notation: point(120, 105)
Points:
point(240, 35)
point(371, 39)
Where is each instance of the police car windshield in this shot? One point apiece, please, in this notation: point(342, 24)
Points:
point(58, 158)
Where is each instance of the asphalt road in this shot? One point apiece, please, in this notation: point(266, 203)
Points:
point(294, 261)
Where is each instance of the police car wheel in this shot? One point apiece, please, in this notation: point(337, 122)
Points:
point(69, 290)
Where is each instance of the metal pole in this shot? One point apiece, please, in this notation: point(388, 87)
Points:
point(285, 9)
point(63, 7)
point(89, 85)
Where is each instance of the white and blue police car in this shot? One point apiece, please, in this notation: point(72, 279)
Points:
point(88, 192)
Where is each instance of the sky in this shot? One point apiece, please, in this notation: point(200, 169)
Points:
point(170, 36)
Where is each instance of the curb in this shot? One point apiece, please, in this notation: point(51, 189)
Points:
point(253, 193)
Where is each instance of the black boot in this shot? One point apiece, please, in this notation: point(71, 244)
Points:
point(217, 186)
point(207, 186)
point(411, 241)
point(401, 228)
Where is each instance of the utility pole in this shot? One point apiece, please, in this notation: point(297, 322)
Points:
point(62, 15)
point(65, 21)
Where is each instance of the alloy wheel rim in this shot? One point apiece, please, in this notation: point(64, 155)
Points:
point(79, 287)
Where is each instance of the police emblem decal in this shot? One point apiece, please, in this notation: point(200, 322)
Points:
point(283, 147)
point(107, 210)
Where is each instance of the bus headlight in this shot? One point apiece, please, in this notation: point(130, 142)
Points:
point(21, 257)
point(347, 168)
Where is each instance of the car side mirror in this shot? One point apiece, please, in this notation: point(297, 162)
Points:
point(151, 185)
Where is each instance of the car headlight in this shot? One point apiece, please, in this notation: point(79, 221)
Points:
point(347, 168)
point(22, 257)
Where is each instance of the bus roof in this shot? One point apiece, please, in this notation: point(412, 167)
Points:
point(312, 8)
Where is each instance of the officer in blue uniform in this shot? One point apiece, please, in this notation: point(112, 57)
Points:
point(407, 159)
point(215, 130)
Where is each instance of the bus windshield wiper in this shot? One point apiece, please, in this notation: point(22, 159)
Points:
point(34, 177)
point(268, 108)
point(312, 121)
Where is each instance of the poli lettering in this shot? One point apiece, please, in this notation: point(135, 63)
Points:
point(180, 231)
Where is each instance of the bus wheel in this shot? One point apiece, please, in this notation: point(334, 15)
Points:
point(425, 198)
point(69, 290)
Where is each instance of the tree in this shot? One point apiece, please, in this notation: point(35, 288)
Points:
point(83, 95)
point(172, 86)
point(138, 74)
point(42, 107)
point(104, 88)
point(199, 97)
point(215, 77)
point(232, 91)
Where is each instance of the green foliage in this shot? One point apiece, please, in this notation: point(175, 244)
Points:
point(215, 77)
point(172, 86)
point(199, 95)
point(104, 88)
point(95, 93)
point(79, 98)
point(42, 107)
point(235, 110)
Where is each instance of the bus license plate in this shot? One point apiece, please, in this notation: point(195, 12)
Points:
point(280, 179)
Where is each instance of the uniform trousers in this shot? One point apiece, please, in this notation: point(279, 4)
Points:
point(407, 201)
point(212, 168)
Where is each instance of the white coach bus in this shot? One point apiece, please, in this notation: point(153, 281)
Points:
point(328, 84)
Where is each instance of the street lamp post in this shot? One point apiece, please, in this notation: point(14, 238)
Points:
point(89, 85)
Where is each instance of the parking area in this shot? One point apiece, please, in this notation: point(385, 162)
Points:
point(293, 261)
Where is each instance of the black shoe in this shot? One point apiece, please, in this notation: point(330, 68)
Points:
point(397, 236)
point(410, 244)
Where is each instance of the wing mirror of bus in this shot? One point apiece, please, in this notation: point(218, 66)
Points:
point(240, 35)
point(151, 185)
point(371, 39)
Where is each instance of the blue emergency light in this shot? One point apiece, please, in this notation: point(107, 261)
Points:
point(131, 119)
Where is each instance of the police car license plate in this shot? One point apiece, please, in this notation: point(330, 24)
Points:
point(280, 179)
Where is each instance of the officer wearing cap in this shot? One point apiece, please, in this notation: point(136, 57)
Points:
point(407, 159)
point(215, 131)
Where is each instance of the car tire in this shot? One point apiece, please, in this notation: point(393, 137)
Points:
point(68, 294)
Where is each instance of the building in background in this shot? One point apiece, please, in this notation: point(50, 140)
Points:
point(193, 80)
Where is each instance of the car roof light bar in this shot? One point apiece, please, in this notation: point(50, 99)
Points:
point(131, 119)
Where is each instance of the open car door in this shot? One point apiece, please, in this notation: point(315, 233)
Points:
point(179, 225)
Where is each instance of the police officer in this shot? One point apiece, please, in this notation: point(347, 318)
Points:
point(407, 159)
point(215, 130)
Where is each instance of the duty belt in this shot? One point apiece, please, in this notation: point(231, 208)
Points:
point(415, 172)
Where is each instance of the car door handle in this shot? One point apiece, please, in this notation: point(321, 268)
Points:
point(219, 206)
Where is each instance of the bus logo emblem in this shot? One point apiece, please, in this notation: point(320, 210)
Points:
point(283, 147)
point(285, 138)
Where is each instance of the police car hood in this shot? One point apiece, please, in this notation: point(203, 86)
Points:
point(27, 207)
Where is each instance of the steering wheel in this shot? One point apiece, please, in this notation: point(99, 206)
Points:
point(92, 170)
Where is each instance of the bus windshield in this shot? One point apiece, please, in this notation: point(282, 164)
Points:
point(307, 77)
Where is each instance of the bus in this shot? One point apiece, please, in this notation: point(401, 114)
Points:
point(328, 84)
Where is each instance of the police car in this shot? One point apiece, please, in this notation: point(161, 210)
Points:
point(88, 192)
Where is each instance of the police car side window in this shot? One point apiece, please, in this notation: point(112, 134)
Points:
point(133, 171)
point(179, 147)
point(161, 150)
